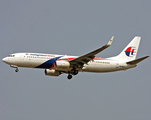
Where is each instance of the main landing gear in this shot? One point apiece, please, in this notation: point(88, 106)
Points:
point(73, 72)
point(69, 76)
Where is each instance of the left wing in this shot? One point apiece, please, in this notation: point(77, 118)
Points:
point(84, 59)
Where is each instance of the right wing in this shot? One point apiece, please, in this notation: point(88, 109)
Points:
point(84, 59)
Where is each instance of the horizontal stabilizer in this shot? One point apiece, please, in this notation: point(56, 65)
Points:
point(134, 62)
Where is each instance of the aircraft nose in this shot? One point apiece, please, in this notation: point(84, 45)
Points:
point(5, 60)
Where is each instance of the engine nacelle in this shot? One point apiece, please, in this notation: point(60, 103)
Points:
point(52, 72)
point(62, 64)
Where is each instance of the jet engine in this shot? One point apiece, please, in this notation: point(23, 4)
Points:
point(62, 64)
point(52, 72)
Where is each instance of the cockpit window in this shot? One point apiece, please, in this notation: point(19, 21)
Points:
point(11, 56)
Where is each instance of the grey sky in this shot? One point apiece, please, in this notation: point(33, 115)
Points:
point(74, 28)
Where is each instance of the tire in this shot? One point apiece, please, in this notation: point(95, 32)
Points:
point(69, 77)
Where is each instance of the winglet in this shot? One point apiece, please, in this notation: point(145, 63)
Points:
point(110, 41)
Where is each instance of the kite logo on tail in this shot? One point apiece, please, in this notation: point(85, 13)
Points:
point(130, 51)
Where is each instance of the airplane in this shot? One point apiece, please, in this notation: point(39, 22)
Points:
point(56, 65)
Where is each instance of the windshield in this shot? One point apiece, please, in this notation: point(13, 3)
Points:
point(11, 56)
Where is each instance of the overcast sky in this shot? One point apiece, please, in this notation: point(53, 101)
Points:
point(74, 27)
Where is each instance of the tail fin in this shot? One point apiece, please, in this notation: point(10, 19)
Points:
point(130, 51)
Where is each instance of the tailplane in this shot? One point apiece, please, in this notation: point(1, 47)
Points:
point(134, 62)
point(130, 51)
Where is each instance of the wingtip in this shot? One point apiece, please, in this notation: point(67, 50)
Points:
point(110, 41)
point(112, 37)
point(137, 37)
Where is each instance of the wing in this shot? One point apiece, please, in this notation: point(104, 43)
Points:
point(84, 59)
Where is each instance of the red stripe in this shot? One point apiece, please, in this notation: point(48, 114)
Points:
point(75, 57)
point(99, 59)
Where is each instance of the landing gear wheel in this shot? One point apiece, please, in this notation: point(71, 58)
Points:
point(69, 77)
point(16, 70)
point(75, 72)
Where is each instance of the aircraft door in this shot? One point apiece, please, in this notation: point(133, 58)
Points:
point(22, 57)
point(117, 64)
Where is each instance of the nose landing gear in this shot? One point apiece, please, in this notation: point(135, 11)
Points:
point(16, 69)
point(14, 66)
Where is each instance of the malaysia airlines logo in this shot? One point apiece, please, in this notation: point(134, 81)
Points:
point(130, 51)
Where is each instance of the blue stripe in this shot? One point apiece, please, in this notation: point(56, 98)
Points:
point(48, 64)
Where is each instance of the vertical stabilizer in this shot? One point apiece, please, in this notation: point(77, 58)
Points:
point(130, 51)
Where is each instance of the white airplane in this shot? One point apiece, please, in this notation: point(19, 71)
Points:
point(55, 65)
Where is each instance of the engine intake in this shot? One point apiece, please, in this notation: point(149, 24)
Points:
point(52, 72)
